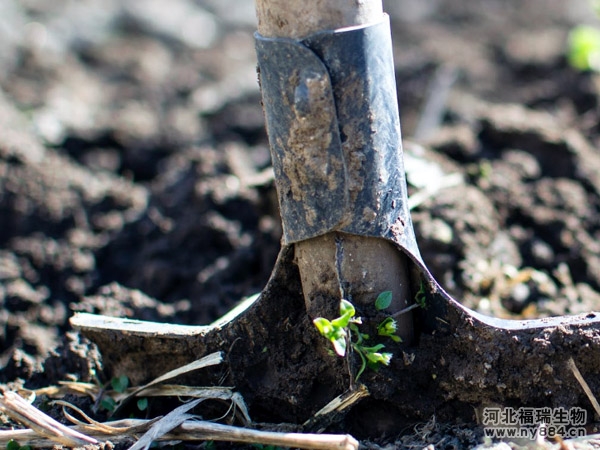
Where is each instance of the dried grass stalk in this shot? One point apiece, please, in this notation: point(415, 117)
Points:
point(206, 361)
point(336, 407)
point(584, 385)
point(192, 430)
point(26, 414)
point(164, 425)
point(219, 432)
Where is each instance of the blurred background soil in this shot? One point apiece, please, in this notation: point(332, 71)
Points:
point(135, 175)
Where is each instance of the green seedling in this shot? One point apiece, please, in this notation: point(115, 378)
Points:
point(584, 48)
point(142, 404)
point(267, 447)
point(389, 327)
point(420, 297)
point(209, 445)
point(343, 332)
point(371, 357)
point(337, 330)
point(485, 170)
point(14, 445)
point(108, 403)
point(120, 384)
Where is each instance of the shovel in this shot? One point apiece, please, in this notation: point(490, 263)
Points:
point(327, 80)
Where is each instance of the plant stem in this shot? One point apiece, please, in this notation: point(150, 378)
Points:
point(405, 310)
point(348, 361)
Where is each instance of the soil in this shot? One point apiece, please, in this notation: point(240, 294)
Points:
point(136, 182)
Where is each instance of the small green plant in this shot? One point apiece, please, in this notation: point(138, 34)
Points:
point(485, 170)
point(142, 404)
point(120, 384)
point(267, 447)
point(108, 403)
point(14, 445)
point(583, 51)
point(337, 330)
point(389, 327)
point(584, 48)
point(343, 332)
point(420, 297)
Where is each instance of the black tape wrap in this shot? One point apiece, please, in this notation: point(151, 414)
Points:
point(332, 119)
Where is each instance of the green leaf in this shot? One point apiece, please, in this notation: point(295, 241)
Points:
point(420, 297)
point(120, 384)
point(347, 308)
point(108, 404)
point(584, 48)
point(339, 345)
point(379, 358)
point(374, 348)
point(383, 301)
point(347, 313)
point(324, 326)
point(12, 445)
point(389, 327)
point(374, 357)
point(142, 404)
point(341, 322)
point(337, 335)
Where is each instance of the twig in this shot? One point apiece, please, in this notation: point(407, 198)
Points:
point(192, 430)
point(435, 105)
point(336, 407)
point(405, 310)
point(21, 411)
point(206, 361)
point(163, 426)
point(218, 432)
point(70, 387)
point(99, 427)
point(584, 385)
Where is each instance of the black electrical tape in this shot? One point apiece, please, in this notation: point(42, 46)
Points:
point(332, 119)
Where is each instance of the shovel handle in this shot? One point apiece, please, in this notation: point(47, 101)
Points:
point(298, 19)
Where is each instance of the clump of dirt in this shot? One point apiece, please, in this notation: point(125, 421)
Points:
point(530, 197)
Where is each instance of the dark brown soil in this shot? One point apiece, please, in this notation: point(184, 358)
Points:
point(135, 178)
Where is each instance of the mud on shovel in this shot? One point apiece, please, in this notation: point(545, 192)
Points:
point(327, 79)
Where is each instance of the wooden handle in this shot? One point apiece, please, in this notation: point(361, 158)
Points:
point(300, 18)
